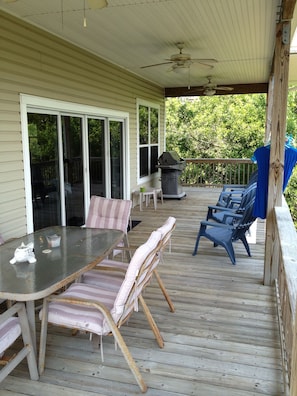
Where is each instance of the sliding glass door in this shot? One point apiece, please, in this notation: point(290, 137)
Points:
point(71, 158)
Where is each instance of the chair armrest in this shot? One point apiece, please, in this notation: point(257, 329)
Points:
point(234, 187)
point(219, 208)
point(205, 224)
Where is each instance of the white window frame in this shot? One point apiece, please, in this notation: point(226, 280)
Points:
point(150, 176)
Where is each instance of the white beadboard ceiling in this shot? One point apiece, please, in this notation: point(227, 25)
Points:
point(239, 34)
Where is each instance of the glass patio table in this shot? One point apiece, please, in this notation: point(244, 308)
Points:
point(80, 250)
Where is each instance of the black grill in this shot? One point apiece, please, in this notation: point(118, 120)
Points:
point(171, 166)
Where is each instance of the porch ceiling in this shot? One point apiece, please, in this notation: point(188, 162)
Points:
point(239, 34)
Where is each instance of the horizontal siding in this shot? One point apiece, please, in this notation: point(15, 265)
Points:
point(36, 63)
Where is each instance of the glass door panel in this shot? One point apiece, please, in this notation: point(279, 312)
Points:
point(73, 170)
point(44, 162)
point(97, 167)
point(116, 158)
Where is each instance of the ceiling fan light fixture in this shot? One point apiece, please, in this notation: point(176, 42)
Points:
point(181, 69)
point(209, 92)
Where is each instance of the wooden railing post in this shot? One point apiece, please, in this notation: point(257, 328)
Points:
point(293, 380)
point(277, 146)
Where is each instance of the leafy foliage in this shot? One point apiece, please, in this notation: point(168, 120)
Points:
point(230, 126)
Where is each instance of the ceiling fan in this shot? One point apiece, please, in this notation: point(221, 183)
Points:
point(210, 88)
point(181, 62)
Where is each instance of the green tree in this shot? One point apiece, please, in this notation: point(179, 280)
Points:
point(230, 126)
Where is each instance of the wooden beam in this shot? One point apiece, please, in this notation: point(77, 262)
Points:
point(288, 7)
point(198, 90)
point(269, 109)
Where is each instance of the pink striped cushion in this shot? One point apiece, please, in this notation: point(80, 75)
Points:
point(110, 280)
point(109, 213)
point(80, 317)
point(136, 262)
point(166, 228)
point(113, 264)
point(10, 330)
point(113, 294)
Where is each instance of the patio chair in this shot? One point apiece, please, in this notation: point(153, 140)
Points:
point(101, 275)
point(225, 234)
point(102, 310)
point(221, 214)
point(11, 327)
point(232, 193)
point(110, 213)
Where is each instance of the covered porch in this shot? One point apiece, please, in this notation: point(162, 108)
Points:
point(223, 338)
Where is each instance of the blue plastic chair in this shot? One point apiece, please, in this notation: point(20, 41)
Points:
point(222, 215)
point(225, 234)
point(232, 193)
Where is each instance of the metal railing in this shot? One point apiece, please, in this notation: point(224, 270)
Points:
point(215, 172)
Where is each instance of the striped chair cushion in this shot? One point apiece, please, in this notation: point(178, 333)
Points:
point(82, 317)
point(109, 213)
point(98, 277)
point(139, 259)
point(112, 291)
point(166, 229)
point(10, 330)
point(110, 280)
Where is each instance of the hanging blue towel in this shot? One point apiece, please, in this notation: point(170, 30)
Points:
point(262, 155)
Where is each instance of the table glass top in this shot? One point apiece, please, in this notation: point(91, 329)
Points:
point(80, 249)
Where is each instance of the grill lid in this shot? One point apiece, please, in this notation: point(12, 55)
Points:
point(170, 158)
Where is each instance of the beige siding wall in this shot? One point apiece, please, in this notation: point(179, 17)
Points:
point(36, 63)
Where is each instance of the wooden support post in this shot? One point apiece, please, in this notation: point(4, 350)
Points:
point(277, 148)
point(269, 104)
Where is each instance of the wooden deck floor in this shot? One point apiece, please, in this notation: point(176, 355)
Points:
point(222, 340)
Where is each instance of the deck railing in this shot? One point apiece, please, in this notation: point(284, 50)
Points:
point(286, 287)
point(216, 171)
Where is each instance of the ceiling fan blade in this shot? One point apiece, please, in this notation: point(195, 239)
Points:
point(194, 89)
point(204, 65)
point(156, 64)
point(224, 88)
point(205, 60)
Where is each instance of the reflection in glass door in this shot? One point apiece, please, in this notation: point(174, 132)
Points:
point(61, 148)
point(96, 138)
point(57, 191)
point(44, 162)
point(116, 158)
point(73, 170)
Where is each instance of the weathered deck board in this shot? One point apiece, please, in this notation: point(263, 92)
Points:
point(222, 340)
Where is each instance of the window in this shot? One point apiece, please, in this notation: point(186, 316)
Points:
point(148, 139)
